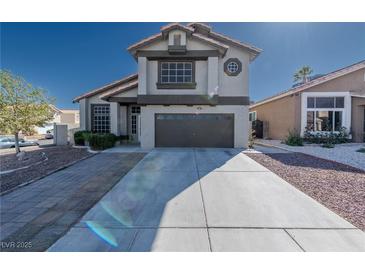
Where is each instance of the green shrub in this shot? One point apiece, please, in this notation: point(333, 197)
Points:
point(328, 145)
point(99, 141)
point(293, 139)
point(86, 135)
point(339, 137)
point(79, 137)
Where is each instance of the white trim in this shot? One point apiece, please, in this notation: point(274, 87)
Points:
point(346, 110)
point(255, 115)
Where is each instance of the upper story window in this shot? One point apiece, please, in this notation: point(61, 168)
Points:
point(100, 118)
point(177, 39)
point(232, 67)
point(180, 72)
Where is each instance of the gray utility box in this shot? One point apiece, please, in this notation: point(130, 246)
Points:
point(60, 137)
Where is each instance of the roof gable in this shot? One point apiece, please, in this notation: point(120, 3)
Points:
point(315, 82)
point(198, 31)
point(173, 26)
point(206, 30)
point(124, 88)
point(124, 80)
point(159, 36)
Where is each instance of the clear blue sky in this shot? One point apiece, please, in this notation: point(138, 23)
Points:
point(69, 59)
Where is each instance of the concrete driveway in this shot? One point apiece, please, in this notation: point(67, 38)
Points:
point(208, 200)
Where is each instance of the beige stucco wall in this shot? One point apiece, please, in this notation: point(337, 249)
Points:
point(67, 118)
point(351, 82)
point(148, 121)
point(282, 115)
point(357, 124)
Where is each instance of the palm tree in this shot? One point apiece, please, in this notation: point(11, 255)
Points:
point(302, 74)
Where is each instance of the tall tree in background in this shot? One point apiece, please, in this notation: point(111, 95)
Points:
point(302, 74)
point(22, 106)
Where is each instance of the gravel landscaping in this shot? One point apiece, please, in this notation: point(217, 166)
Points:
point(36, 163)
point(343, 153)
point(339, 187)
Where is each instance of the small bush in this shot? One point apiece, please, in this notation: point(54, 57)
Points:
point(99, 141)
point(86, 135)
point(339, 137)
point(293, 139)
point(328, 145)
point(251, 138)
point(79, 137)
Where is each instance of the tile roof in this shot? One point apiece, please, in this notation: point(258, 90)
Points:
point(124, 88)
point(210, 41)
point(213, 38)
point(106, 87)
point(176, 26)
point(145, 41)
point(219, 36)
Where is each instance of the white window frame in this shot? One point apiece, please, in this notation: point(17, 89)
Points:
point(168, 70)
point(231, 65)
point(252, 112)
point(97, 126)
point(346, 110)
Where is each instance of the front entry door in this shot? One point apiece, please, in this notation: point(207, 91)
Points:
point(134, 129)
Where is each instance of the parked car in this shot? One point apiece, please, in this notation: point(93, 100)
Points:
point(9, 142)
point(49, 135)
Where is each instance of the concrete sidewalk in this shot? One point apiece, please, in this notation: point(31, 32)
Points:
point(208, 200)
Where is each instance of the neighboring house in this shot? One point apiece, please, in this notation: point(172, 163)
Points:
point(191, 90)
point(324, 104)
point(69, 117)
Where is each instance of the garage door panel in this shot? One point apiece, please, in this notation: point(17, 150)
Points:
point(194, 130)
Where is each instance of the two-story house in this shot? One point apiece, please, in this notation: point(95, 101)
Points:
point(191, 90)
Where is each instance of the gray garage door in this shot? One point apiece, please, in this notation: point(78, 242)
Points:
point(194, 130)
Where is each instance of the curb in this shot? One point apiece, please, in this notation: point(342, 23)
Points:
point(45, 175)
point(268, 145)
